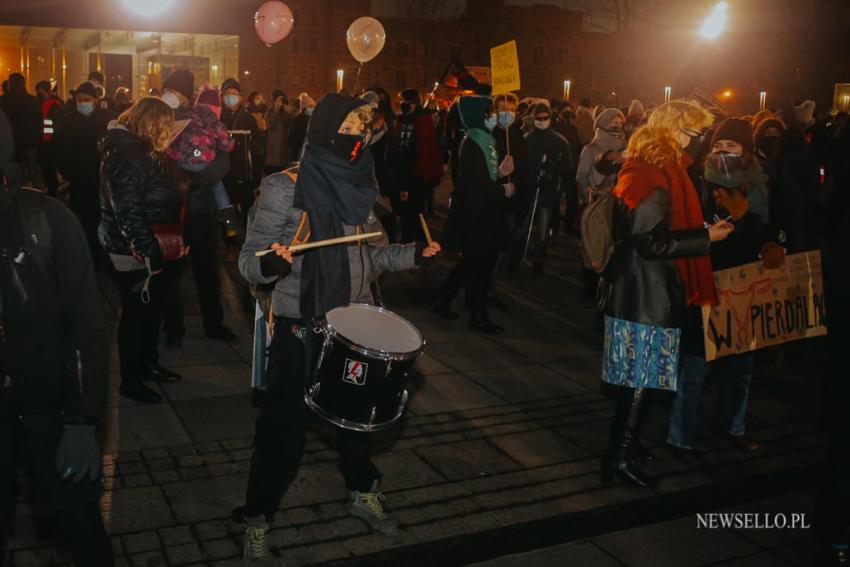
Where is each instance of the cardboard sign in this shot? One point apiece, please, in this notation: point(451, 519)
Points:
point(504, 68)
point(759, 307)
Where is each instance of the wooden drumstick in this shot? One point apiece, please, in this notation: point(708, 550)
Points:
point(425, 229)
point(321, 243)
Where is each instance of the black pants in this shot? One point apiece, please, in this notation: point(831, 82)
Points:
point(48, 168)
point(138, 329)
point(201, 234)
point(73, 507)
point(474, 274)
point(84, 201)
point(174, 324)
point(279, 433)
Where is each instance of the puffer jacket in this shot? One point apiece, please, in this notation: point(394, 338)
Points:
point(275, 219)
point(137, 190)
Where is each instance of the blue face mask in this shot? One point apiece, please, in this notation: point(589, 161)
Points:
point(506, 118)
point(231, 100)
point(491, 121)
point(85, 108)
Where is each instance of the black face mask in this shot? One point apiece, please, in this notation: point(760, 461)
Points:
point(769, 146)
point(694, 146)
point(348, 146)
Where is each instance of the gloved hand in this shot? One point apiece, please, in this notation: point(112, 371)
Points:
point(79, 453)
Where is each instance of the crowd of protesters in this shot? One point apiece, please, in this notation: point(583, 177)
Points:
point(166, 180)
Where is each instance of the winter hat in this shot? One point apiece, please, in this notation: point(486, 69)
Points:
point(604, 117)
point(371, 97)
point(636, 108)
point(761, 116)
point(278, 93)
point(540, 108)
point(805, 113)
point(231, 84)
point(737, 130)
point(209, 97)
point(597, 110)
point(87, 89)
point(765, 124)
point(182, 81)
point(411, 95)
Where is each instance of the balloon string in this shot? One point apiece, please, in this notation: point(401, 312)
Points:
point(357, 78)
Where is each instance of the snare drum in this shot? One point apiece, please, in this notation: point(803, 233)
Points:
point(362, 368)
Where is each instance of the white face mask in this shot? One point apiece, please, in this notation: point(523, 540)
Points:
point(171, 99)
point(542, 124)
point(231, 100)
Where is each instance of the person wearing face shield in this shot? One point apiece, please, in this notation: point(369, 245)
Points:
point(247, 158)
point(332, 191)
point(78, 158)
point(551, 163)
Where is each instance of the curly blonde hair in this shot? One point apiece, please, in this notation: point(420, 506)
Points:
point(150, 119)
point(656, 142)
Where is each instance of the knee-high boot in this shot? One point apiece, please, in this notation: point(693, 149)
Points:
point(620, 462)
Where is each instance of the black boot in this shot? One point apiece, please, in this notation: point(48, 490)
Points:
point(480, 323)
point(164, 375)
point(134, 389)
point(620, 462)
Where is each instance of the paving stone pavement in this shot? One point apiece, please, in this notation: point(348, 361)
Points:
point(497, 453)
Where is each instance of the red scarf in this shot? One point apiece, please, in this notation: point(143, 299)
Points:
point(636, 182)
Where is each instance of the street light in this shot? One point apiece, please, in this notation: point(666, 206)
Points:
point(762, 100)
point(340, 76)
point(567, 86)
point(668, 91)
point(715, 22)
point(147, 8)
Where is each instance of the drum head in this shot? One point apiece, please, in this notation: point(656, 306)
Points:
point(375, 328)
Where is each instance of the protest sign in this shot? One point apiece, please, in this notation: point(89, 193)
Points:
point(758, 307)
point(504, 68)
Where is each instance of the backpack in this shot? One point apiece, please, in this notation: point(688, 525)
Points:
point(597, 231)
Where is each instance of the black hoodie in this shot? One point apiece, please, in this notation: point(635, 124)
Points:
point(54, 347)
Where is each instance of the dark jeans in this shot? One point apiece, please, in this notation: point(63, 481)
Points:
point(201, 233)
point(279, 433)
point(174, 325)
point(474, 274)
point(84, 201)
point(138, 329)
point(48, 168)
point(74, 507)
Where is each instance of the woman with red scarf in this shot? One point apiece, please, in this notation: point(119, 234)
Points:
point(659, 267)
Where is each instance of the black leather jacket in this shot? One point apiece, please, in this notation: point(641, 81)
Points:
point(137, 190)
point(642, 283)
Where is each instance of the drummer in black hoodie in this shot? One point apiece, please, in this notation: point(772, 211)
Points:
point(336, 187)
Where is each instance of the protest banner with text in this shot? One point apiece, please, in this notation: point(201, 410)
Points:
point(504, 68)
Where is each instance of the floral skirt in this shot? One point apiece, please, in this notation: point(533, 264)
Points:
point(640, 356)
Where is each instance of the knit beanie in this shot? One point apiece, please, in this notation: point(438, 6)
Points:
point(209, 97)
point(636, 108)
point(231, 84)
point(765, 124)
point(736, 130)
point(604, 117)
point(805, 113)
point(540, 108)
point(182, 81)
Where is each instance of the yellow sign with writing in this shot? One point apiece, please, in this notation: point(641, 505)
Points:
point(504, 68)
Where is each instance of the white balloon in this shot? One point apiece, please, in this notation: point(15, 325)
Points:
point(365, 38)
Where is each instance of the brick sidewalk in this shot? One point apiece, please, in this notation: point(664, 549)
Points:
point(498, 452)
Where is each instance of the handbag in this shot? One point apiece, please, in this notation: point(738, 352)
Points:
point(170, 237)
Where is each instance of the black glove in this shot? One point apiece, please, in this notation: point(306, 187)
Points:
point(273, 265)
point(79, 453)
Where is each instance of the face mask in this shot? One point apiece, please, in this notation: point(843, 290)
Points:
point(615, 131)
point(85, 108)
point(171, 99)
point(491, 121)
point(542, 124)
point(694, 146)
point(769, 146)
point(231, 100)
point(506, 118)
point(348, 146)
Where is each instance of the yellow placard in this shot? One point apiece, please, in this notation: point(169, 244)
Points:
point(504, 68)
point(758, 307)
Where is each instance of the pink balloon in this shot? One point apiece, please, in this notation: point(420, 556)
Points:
point(273, 21)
